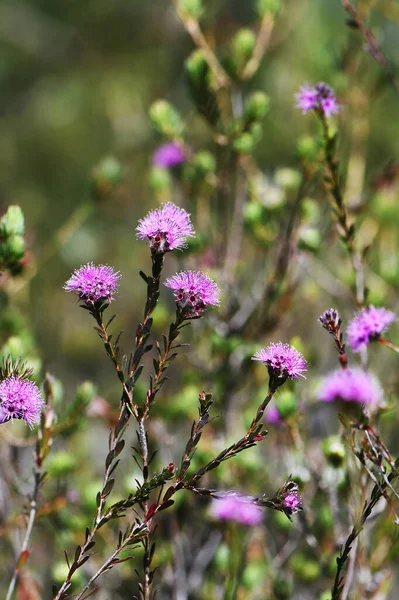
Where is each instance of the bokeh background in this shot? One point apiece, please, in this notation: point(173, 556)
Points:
point(77, 80)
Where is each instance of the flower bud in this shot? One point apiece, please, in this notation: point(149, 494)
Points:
point(193, 8)
point(289, 179)
point(197, 68)
point(205, 162)
point(159, 180)
point(106, 175)
point(61, 464)
point(257, 106)
point(306, 148)
point(243, 45)
point(334, 451)
point(12, 223)
point(166, 119)
point(265, 7)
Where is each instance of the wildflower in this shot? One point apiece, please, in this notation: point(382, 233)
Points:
point(166, 228)
point(367, 326)
point(169, 155)
point(194, 291)
point(351, 385)
point(321, 97)
point(282, 361)
point(292, 502)
point(20, 399)
point(330, 320)
point(92, 283)
point(232, 508)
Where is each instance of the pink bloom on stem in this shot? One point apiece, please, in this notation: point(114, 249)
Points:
point(232, 508)
point(282, 361)
point(351, 385)
point(367, 326)
point(169, 155)
point(293, 502)
point(166, 228)
point(321, 97)
point(194, 291)
point(20, 399)
point(92, 283)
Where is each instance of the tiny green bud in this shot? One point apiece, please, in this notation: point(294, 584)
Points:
point(257, 106)
point(286, 403)
point(12, 223)
point(159, 179)
point(289, 179)
point(61, 464)
point(85, 393)
point(244, 143)
point(307, 148)
point(271, 7)
point(166, 119)
point(106, 175)
point(253, 213)
point(193, 8)
point(196, 67)
point(282, 589)
point(334, 451)
point(16, 246)
point(309, 239)
point(205, 162)
point(243, 45)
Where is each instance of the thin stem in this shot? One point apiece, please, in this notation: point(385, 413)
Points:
point(110, 561)
point(262, 42)
point(44, 443)
point(385, 342)
point(346, 231)
point(372, 43)
point(128, 407)
point(192, 27)
point(24, 552)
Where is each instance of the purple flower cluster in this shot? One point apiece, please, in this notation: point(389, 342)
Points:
point(20, 399)
point(282, 361)
point(367, 325)
point(330, 320)
point(292, 502)
point(166, 228)
point(232, 508)
point(169, 155)
point(351, 385)
point(194, 291)
point(321, 97)
point(92, 283)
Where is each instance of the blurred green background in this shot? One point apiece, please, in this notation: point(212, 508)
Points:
point(76, 81)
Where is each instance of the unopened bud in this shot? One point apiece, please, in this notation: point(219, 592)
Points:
point(257, 106)
point(265, 7)
point(243, 45)
point(166, 119)
point(12, 223)
point(193, 8)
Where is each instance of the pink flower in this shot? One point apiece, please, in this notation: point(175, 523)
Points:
point(20, 399)
point(232, 508)
point(169, 155)
point(92, 283)
point(321, 97)
point(166, 228)
point(367, 325)
point(351, 385)
point(282, 361)
point(194, 291)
